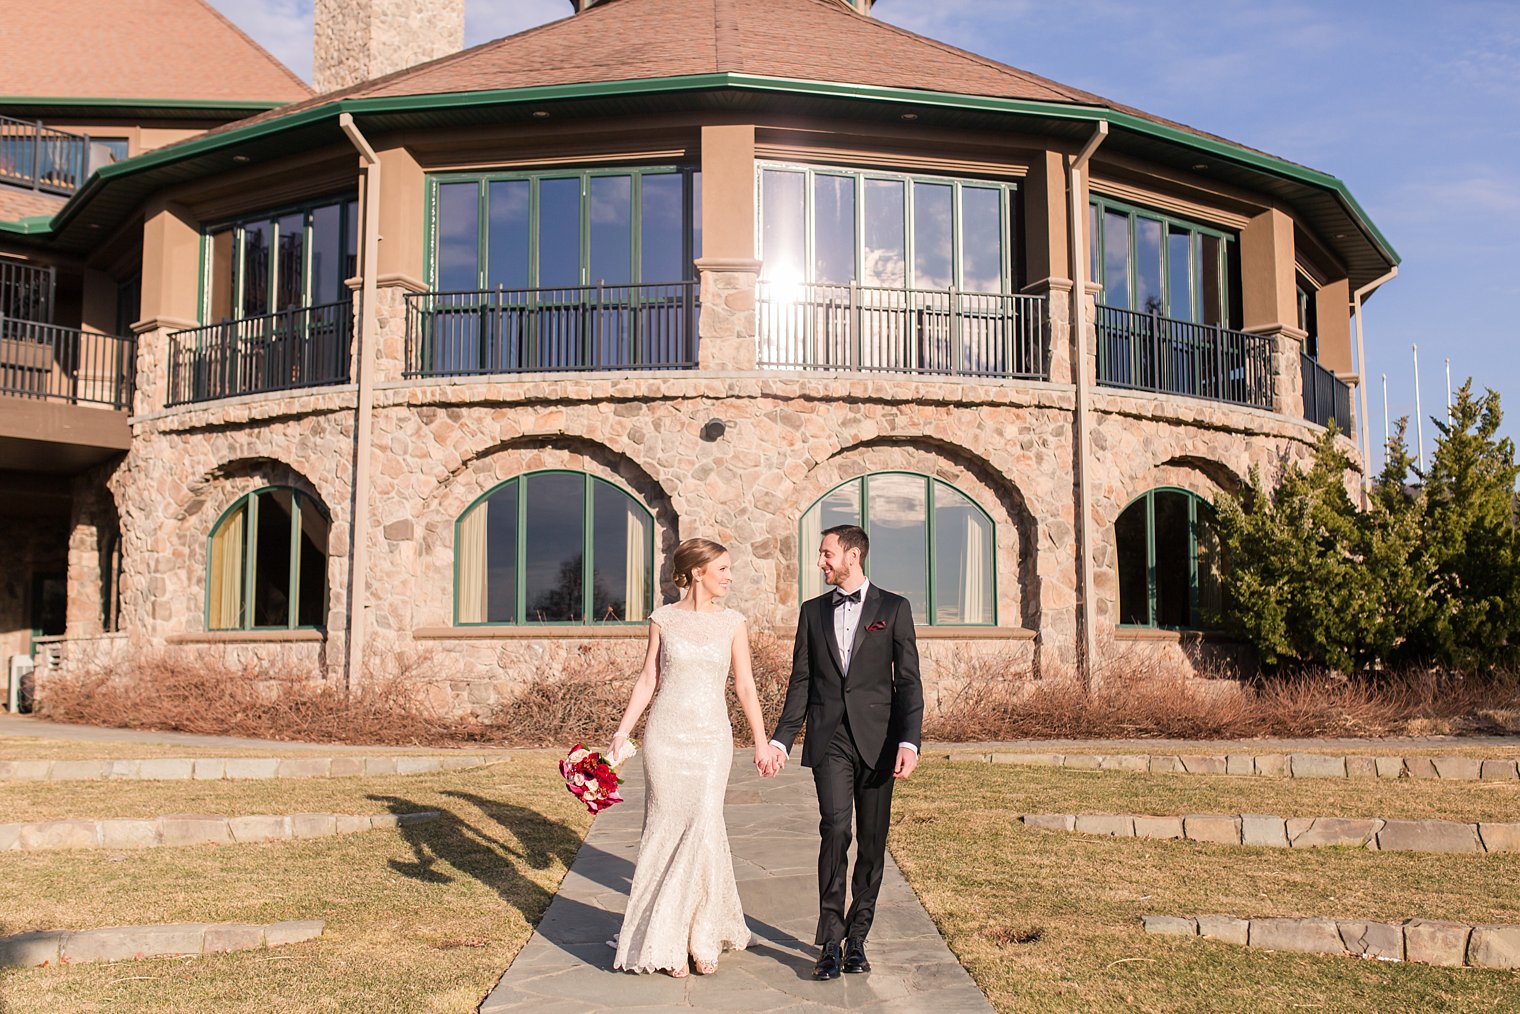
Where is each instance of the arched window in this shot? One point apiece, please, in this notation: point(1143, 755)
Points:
point(1168, 562)
point(554, 547)
point(929, 543)
point(268, 563)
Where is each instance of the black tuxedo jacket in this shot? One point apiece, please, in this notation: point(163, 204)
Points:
point(882, 694)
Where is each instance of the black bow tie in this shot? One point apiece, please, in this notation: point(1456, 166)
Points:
point(840, 598)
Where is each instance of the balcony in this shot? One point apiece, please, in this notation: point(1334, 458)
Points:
point(1327, 397)
point(586, 328)
point(944, 332)
point(42, 158)
point(1148, 352)
point(66, 365)
point(289, 349)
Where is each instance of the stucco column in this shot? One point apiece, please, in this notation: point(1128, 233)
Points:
point(1332, 315)
point(1268, 302)
point(728, 269)
point(1046, 255)
point(170, 296)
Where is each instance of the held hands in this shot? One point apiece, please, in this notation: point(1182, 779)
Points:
point(769, 759)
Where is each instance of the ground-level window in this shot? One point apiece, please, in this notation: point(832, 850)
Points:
point(1151, 262)
point(110, 580)
point(1169, 562)
point(299, 257)
point(929, 543)
point(566, 228)
point(268, 563)
point(554, 547)
point(886, 230)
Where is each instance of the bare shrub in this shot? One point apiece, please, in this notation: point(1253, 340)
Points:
point(187, 692)
point(579, 702)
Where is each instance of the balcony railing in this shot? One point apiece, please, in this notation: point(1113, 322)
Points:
point(1148, 352)
point(303, 347)
point(596, 327)
point(933, 331)
point(42, 158)
point(1326, 396)
point(65, 364)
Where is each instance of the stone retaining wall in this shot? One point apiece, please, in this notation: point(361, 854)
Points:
point(1373, 833)
point(1281, 765)
point(125, 943)
point(190, 829)
point(1425, 941)
point(182, 769)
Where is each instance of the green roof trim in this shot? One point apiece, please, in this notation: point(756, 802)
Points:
point(238, 135)
point(32, 225)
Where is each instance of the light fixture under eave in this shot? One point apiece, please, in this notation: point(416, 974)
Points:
point(1199, 167)
point(242, 159)
point(910, 116)
point(540, 114)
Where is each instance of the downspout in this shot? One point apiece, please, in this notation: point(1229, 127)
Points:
point(1361, 372)
point(1087, 645)
point(358, 529)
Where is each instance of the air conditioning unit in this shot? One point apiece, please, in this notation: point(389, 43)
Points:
point(19, 700)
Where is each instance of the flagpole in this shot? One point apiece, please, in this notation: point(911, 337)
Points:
point(1419, 419)
point(1448, 392)
point(1386, 434)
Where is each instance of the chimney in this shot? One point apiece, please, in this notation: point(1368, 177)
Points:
point(860, 6)
point(356, 40)
point(584, 5)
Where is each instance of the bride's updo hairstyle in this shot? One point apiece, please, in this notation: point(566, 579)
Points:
point(692, 555)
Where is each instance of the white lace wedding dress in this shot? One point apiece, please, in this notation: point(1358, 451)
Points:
point(684, 899)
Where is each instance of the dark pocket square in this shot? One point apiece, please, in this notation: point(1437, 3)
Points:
point(878, 625)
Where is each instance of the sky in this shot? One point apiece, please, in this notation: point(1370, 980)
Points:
point(1415, 105)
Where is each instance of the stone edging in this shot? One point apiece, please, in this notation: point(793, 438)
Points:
point(1289, 765)
point(1372, 833)
point(190, 829)
point(1424, 941)
point(183, 769)
point(122, 943)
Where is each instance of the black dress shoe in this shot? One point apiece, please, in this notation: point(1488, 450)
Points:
point(855, 956)
point(828, 963)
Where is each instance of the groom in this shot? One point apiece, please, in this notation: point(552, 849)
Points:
point(855, 681)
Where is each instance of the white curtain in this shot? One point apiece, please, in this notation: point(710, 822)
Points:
point(974, 594)
point(471, 553)
point(637, 590)
point(227, 551)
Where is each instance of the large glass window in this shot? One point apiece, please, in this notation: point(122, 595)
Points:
point(929, 543)
point(268, 563)
point(554, 547)
point(1150, 262)
point(836, 226)
point(1169, 562)
point(268, 263)
point(563, 229)
point(1307, 294)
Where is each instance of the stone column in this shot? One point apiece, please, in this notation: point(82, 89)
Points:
point(1287, 371)
point(727, 327)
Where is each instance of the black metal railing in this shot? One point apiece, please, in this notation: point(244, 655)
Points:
point(1326, 396)
point(41, 157)
point(26, 291)
point(65, 364)
point(933, 331)
point(594, 327)
point(1148, 352)
point(301, 347)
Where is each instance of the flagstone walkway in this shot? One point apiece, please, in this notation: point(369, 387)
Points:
point(773, 825)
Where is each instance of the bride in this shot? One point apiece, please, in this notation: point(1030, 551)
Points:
point(684, 900)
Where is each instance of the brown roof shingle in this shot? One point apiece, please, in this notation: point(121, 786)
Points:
point(16, 203)
point(137, 49)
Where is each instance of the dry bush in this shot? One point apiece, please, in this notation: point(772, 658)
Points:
point(186, 692)
point(1145, 701)
point(580, 702)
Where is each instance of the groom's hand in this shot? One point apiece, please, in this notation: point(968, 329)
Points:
point(907, 760)
point(778, 759)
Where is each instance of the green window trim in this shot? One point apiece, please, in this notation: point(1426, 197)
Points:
point(250, 503)
point(348, 229)
point(690, 189)
point(588, 563)
point(1194, 503)
point(1099, 206)
point(930, 554)
point(1012, 220)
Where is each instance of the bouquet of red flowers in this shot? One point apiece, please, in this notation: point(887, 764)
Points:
point(590, 778)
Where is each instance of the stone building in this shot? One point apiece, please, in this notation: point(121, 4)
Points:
point(448, 360)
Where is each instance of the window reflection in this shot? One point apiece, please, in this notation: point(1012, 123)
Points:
point(660, 223)
point(886, 237)
point(783, 226)
point(1169, 562)
point(983, 237)
point(267, 566)
point(933, 236)
point(611, 230)
point(507, 236)
point(559, 233)
point(833, 229)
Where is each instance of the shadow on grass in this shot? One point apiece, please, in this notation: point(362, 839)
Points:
point(492, 856)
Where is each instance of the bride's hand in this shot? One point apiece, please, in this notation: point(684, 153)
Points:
point(763, 760)
point(619, 741)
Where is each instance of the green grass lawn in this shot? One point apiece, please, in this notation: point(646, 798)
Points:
point(423, 919)
point(1047, 921)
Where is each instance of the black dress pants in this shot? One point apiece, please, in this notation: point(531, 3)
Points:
point(848, 787)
